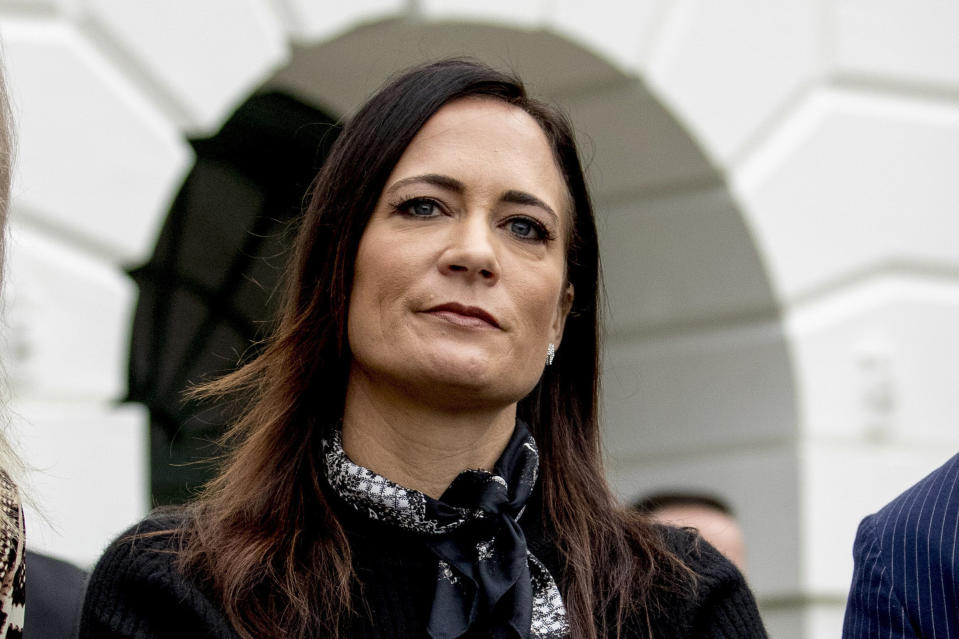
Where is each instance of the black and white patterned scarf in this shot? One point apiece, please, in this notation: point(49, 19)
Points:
point(486, 576)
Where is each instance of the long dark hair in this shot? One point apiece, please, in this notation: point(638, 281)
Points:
point(262, 534)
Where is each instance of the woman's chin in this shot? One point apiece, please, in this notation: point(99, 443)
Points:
point(469, 382)
point(465, 377)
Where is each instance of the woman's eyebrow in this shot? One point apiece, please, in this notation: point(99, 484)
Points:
point(442, 181)
point(528, 199)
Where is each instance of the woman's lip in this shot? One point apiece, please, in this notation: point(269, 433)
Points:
point(467, 316)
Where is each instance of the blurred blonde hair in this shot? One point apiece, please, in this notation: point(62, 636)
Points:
point(10, 463)
point(7, 145)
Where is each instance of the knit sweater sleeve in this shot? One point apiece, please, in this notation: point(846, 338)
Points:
point(724, 607)
point(136, 591)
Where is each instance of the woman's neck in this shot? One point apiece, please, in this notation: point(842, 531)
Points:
point(423, 447)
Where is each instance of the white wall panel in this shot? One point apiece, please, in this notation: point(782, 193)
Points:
point(68, 318)
point(618, 31)
point(823, 619)
point(208, 54)
point(511, 12)
point(863, 182)
point(910, 41)
point(34, 6)
point(313, 20)
point(89, 475)
point(843, 483)
point(717, 390)
point(726, 67)
point(877, 362)
point(96, 160)
point(786, 622)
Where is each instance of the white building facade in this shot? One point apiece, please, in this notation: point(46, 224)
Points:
point(776, 184)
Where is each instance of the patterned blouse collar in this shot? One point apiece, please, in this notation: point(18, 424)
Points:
point(486, 576)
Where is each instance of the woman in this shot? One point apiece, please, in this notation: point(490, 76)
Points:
point(441, 316)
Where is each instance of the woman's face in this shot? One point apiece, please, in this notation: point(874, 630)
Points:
point(460, 277)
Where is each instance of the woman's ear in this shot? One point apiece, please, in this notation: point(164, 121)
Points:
point(562, 312)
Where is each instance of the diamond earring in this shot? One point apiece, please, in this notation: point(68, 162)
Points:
point(550, 353)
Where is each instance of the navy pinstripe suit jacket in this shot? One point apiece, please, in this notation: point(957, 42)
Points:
point(906, 581)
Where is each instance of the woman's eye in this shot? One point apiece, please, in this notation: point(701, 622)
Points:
point(526, 229)
point(420, 208)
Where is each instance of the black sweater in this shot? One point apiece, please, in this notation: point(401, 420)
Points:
point(136, 591)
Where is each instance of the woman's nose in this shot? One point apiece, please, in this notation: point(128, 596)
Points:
point(471, 252)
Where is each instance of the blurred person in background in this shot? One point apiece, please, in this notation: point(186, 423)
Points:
point(12, 537)
point(419, 453)
point(55, 593)
point(906, 578)
point(712, 517)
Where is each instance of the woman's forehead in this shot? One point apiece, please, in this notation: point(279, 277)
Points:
point(486, 141)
